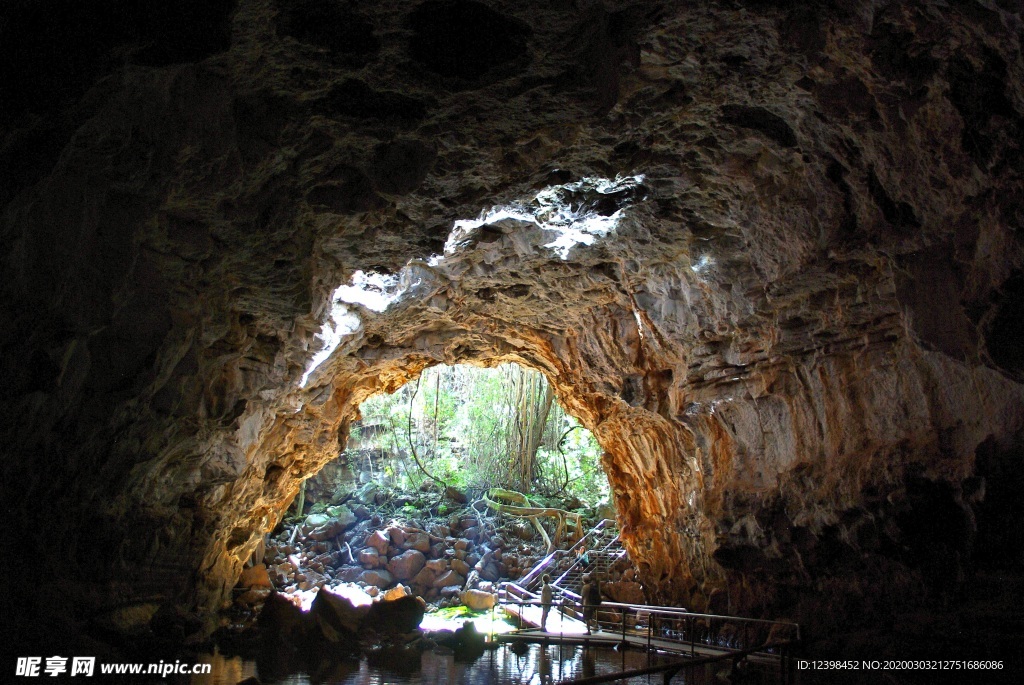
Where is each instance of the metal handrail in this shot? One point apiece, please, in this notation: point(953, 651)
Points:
point(674, 613)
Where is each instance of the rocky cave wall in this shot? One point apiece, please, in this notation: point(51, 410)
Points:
point(794, 344)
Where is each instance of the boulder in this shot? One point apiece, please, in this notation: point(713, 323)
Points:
point(425, 578)
point(463, 544)
point(254, 596)
point(255, 576)
point(460, 567)
point(448, 579)
point(456, 495)
point(369, 558)
point(381, 578)
point(343, 515)
point(419, 541)
point(395, 617)
point(349, 574)
point(490, 571)
point(406, 565)
point(397, 535)
point(315, 520)
point(437, 565)
point(379, 541)
point(478, 600)
point(282, 617)
point(336, 616)
point(624, 591)
point(397, 592)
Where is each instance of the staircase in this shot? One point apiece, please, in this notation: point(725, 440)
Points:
point(596, 552)
point(604, 550)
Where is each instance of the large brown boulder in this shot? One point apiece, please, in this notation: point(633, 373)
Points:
point(407, 564)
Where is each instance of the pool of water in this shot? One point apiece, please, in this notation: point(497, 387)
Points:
point(536, 665)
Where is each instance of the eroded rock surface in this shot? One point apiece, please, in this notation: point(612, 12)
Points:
point(769, 255)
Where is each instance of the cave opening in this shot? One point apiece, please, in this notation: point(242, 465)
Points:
point(458, 480)
point(471, 428)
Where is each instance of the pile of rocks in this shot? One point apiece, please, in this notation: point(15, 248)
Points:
point(456, 559)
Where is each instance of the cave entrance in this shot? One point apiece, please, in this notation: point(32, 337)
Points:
point(468, 429)
point(423, 497)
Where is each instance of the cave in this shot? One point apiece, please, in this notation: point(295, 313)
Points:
point(769, 253)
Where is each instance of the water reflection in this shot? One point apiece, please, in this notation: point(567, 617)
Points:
point(534, 665)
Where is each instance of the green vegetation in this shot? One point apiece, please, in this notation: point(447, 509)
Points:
point(471, 427)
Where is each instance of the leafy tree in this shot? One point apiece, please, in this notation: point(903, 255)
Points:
point(474, 427)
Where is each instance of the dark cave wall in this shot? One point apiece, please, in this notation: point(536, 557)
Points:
point(798, 344)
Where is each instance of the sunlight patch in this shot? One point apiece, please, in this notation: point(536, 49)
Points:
point(343, 322)
point(373, 290)
point(577, 213)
